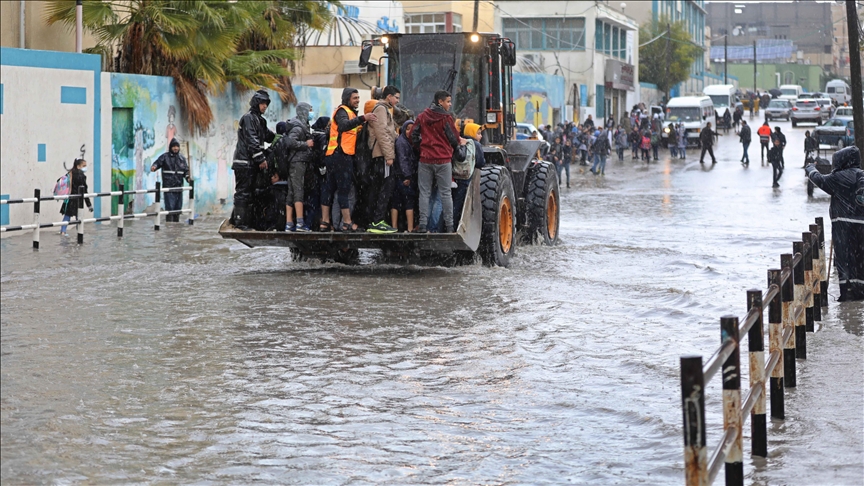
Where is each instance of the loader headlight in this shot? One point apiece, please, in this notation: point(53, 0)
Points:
point(491, 117)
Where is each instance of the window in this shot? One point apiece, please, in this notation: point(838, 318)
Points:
point(537, 34)
point(610, 40)
point(433, 23)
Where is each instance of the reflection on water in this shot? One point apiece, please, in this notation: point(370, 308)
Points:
point(180, 357)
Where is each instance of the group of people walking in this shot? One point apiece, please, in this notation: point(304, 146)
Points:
point(354, 172)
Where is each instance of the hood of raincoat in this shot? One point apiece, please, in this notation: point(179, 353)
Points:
point(847, 158)
point(404, 132)
point(303, 110)
point(321, 123)
point(174, 143)
point(259, 97)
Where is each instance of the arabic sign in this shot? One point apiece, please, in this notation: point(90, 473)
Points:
point(620, 75)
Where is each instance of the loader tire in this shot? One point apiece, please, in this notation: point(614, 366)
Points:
point(498, 238)
point(542, 204)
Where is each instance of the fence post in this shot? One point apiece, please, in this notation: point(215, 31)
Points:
point(807, 237)
point(732, 400)
point(816, 274)
point(775, 331)
point(787, 291)
point(800, 290)
point(192, 201)
point(121, 209)
point(824, 277)
point(756, 348)
point(37, 193)
point(80, 212)
point(158, 208)
point(693, 406)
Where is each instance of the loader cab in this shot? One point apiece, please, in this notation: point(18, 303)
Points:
point(475, 68)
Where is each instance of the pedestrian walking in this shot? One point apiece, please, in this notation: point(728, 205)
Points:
point(600, 148)
point(174, 171)
point(655, 142)
point(811, 145)
point(706, 138)
point(621, 142)
point(69, 208)
point(682, 141)
point(744, 136)
point(764, 133)
point(774, 158)
point(672, 140)
point(737, 116)
point(845, 184)
point(782, 138)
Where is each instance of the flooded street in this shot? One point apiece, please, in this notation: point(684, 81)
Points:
point(180, 357)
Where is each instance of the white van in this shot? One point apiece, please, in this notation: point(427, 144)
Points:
point(790, 92)
point(694, 112)
point(838, 91)
point(723, 96)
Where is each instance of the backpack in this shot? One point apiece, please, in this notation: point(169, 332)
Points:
point(464, 169)
point(63, 187)
point(646, 143)
point(655, 139)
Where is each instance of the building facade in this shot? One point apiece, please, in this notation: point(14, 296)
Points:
point(594, 47)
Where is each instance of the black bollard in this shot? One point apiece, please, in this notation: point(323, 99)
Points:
point(800, 289)
point(775, 331)
point(693, 406)
point(824, 277)
point(817, 273)
point(787, 298)
point(121, 209)
point(158, 208)
point(807, 238)
point(732, 400)
point(37, 193)
point(756, 348)
point(80, 211)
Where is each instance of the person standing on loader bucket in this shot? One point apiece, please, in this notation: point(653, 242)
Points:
point(436, 136)
point(382, 142)
point(174, 170)
point(345, 126)
point(249, 157)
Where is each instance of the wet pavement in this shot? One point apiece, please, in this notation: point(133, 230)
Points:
point(179, 357)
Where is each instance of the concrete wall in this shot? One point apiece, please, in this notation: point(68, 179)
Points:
point(57, 106)
point(49, 114)
point(537, 90)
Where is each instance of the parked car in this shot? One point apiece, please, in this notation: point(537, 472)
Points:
point(844, 112)
point(806, 111)
point(837, 132)
point(778, 109)
point(526, 131)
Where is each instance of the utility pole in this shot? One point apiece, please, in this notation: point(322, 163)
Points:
point(79, 29)
point(754, 65)
point(476, 14)
point(668, 35)
point(725, 58)
point(855, 72)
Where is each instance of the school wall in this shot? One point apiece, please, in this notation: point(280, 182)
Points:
point(539, 98)
point(49, 106)
point(57, 106)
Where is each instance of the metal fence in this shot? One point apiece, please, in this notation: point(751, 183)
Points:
point(795, 296)
point(121, 194)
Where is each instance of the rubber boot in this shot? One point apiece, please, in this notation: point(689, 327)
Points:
point(241, 219)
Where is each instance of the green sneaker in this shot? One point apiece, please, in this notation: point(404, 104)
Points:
point(381, 228)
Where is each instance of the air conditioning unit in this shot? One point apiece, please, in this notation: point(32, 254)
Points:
point(353, 67)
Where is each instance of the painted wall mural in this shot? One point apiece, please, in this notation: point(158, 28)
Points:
point(146, 116)
point(536, 95)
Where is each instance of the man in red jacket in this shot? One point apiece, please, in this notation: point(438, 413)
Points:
point(438, 139)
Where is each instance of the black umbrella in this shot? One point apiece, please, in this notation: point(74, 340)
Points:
point(775, 92)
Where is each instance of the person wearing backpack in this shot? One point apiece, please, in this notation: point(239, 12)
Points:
point(436, 137)
point(744, 136)
point(78, 178)
point(655, 142)
point(621, 142)
point(345, 126)
point(463, 171)
point(174, 170)
point(291, 154)
point(382, 142)
point(600, 149)
point(764, 133)
point(645, 145)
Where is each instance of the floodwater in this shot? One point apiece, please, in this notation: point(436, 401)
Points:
point(179, 357)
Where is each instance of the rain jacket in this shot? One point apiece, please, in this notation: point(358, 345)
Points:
point(382, 132)
point(298, 133)
point(174, 166)
point(707, 137)
point(841, 184)
point(436, 135)
point(406, 158)
point(341, 119)
point(764, 133)
point(253, 133)
point(745, 134)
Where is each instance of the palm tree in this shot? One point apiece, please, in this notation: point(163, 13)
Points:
point(202, 44)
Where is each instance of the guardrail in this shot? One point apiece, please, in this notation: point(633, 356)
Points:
point(37, 199)
point(796, 294)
